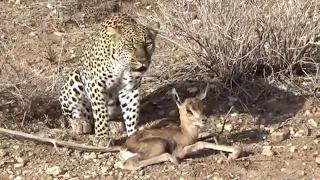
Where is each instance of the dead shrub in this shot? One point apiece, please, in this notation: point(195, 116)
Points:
point(241, 39)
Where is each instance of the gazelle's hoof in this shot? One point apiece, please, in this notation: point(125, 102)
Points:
point(118, 164)
point(236, 153)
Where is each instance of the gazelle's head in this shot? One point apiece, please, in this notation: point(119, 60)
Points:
point(190, 109)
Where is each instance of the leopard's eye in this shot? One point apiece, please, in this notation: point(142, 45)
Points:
point(149, 43)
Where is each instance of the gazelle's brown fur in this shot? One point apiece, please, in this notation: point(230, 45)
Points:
point(148, 147)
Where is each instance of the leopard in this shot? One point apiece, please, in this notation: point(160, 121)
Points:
point(107, 81)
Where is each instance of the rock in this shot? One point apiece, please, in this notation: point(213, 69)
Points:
point(67, 176)
point(32, 34)
point(278, 136)
point(161, 113)
point(75, 178)
point(89, 156)
point(3, 153)
point(104, 169)
point(55, 170)
point(18, 165)
point(232, 99)
point(16, 147)
point(219, 125)
point(302, 173)
point(234, 114)
point(313, 123)
point(317, 160)
point(267, 152)
point(300, 133)
point(86, 176)
point(20, 162)
point(26, 172)
point(192, 90)
point(196, 21)
point(142, 173)
point(267, 147)
point(18, 178)
point(293, 149)
point(172, 112)
point(20, 159)
point(291, 131)
point(228, 127)
point(49, 6)
point(307, 113)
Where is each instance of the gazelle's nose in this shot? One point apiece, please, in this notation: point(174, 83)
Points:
point(204, 119)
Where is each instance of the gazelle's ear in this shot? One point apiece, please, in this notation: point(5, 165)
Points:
point(204, 93)
point(176, 97)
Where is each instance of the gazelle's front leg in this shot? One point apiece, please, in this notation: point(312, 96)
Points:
point(234, 150)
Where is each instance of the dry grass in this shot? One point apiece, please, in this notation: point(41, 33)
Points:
point(240, 40)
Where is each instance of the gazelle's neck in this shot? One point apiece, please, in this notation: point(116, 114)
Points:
point(190, 130)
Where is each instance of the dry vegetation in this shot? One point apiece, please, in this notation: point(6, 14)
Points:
point(254, 51)
point(236, 41)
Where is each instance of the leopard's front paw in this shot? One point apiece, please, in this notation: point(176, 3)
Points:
point(81, 126)
point(103, 141)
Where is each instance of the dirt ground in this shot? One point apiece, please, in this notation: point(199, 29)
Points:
point(40, 42)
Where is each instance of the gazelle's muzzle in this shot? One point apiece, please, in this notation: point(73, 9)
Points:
point(200, 121)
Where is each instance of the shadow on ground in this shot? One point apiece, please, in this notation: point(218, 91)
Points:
point(266, 104)
point(258, 99)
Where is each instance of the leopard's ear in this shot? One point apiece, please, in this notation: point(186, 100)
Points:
point(114, 33)
point(154, 28)
point(154, 25)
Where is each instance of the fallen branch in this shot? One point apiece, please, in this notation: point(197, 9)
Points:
point(61, 143)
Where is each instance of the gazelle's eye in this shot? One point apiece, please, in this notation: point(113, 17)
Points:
point(189, 112)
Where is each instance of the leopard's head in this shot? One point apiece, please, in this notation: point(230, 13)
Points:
point(132, 43)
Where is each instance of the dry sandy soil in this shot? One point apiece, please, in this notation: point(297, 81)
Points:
point(40, 43)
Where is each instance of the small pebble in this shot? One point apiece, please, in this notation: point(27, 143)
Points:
point(228, 127)
point(232, 99)
point(267, 152)
point(55, 170)
point(307, 113)
point(89, 156)
point(278, 136)
point(3, 153)
point(313, 123)
point(172, 112)
point(318, 160)
point(293, 149)
point(18, 178)
point(32, 34)
point(234, 114)
point(192, 90)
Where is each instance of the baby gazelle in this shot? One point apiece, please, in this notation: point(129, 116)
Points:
point(152, 146)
